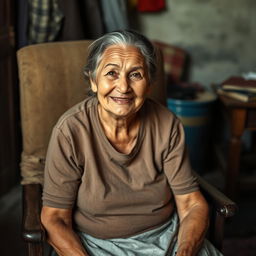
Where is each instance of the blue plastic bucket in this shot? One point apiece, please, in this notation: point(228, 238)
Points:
point(195, 116)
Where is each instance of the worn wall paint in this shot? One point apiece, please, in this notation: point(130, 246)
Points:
point(219, 36)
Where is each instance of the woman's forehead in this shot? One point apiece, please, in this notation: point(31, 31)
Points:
point(122, 53)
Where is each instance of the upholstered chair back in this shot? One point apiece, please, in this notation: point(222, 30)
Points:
point(52, 81)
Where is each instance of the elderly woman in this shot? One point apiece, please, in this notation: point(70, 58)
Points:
point(117, 178)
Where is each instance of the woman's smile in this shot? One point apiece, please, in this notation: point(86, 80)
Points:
point(122, 100)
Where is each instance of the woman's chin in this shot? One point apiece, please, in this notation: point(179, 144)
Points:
point(122, 114)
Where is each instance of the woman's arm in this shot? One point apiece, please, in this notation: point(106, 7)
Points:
point(193, 213)
point(58, 224)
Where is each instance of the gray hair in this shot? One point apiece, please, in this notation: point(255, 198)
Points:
point(123, 37)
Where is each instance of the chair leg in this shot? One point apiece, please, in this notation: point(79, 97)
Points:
point(217, 230)
point(35, 249)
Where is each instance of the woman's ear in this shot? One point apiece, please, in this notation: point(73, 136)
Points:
point(93, 86)
point(92, 82)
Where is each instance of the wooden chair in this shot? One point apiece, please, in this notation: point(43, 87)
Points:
point(51, 81)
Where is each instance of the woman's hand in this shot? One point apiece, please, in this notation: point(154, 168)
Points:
point(193, 214)
point(185, 249)
point(58, 224)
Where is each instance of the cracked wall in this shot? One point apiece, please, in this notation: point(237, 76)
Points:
point(219, 36)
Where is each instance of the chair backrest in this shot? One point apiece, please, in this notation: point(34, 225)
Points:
point(52, 81)
point(174, 59)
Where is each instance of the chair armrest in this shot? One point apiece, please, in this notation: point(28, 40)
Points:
point(222, 204)
point(32, 229)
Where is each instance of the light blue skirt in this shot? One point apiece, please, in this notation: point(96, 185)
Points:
point(154, 242)
point(151, 243)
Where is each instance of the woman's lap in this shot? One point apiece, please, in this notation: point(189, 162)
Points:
point(154, 242)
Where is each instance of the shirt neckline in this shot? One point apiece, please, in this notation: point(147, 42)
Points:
point(115, 155)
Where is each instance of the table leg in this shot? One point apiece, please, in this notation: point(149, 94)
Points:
point(237, 126)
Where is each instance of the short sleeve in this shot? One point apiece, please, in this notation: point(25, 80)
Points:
point(62, 172)
point(176, 163)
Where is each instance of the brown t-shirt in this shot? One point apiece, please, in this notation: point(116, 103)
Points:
point(114, 194)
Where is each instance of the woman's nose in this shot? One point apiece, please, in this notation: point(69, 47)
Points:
point(123, 85)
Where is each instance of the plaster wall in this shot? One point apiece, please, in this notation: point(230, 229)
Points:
point(219, 35)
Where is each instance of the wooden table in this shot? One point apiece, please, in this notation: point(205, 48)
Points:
point(241, 116)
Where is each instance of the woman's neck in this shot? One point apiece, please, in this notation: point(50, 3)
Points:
point(121, 132)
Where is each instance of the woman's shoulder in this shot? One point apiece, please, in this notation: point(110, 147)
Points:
point(160, 118)
point(79, 113)
point(160, 124)
point(158, 111)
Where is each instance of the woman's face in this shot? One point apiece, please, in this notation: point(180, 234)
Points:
point(121, 81)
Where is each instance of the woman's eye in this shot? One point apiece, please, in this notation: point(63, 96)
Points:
point(136, 75)
point(111, 73)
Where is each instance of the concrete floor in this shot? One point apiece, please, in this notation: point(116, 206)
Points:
point(239, 231)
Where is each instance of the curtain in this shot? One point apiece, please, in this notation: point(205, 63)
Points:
point(115, 14)
point(44, 20)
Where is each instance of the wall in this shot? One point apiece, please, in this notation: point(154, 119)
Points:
point(220, 36)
